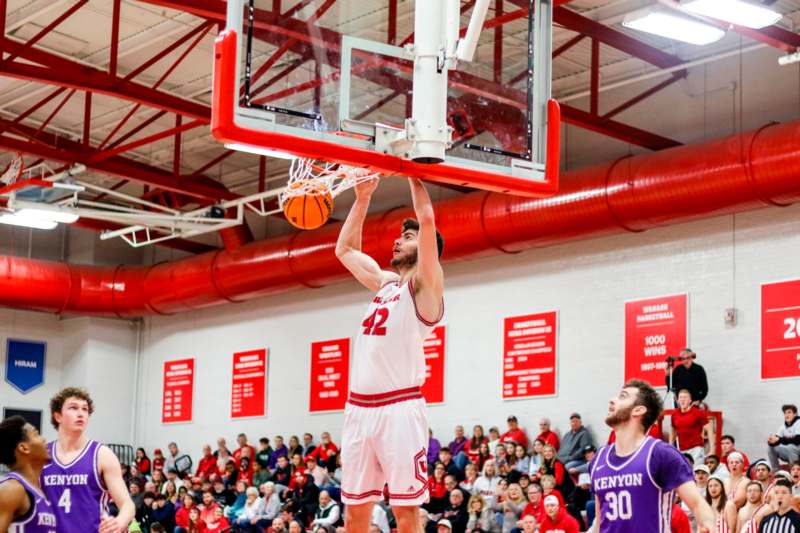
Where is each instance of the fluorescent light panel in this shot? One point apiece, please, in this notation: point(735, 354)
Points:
point(16, 220)
point(734, 11)
point(258, 150)
point(672, 26)
point(56, 215)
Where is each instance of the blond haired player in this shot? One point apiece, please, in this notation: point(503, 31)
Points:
point(385, 432)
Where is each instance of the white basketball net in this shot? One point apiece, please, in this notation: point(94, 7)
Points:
point(13, 172)
point(307, 177)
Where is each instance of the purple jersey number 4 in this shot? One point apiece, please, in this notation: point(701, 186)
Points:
point(78, 496)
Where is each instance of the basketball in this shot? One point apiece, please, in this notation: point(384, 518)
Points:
point(308, 204)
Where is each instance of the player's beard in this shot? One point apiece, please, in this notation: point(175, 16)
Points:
point(405, 261)
point(619, 416)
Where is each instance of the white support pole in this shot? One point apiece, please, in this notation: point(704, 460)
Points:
point(467, 46)
point(427, 129)
point(542, 53)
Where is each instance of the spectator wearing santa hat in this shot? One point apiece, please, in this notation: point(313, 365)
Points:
point(556, 518)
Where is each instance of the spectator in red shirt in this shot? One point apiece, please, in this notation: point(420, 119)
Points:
point(515, 433)
point(325, 453)
point(546, 435)
point(728, 444)
point(142, 462)
point(158, 460)
point(438, 490)
point(557, 518)
point(182, 514)
point(687, 425)
point(219, 522)
point(243, 445)
point(195, 523)
point(209, 507)
point(207, 465)
point(679, 520)
point(535, 505)
point(473, 444)
point(245, 466)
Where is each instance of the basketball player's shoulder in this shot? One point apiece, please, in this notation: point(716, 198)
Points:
point(667, 466)
point(12, 494)
point(387, 277)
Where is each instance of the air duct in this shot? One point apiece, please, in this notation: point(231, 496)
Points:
point(743, 172)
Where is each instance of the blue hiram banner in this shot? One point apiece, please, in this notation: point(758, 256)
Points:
point(25, 362)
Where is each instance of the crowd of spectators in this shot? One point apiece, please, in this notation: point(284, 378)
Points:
point(498, 482)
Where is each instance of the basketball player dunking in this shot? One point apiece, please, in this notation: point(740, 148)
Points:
point(385, 432)
point(82, 473)
point(23, 507)
point(634, 479)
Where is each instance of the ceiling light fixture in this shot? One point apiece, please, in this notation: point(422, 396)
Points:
point(673, 26)
point(258, 150)
point(55, 215)
point(14, 219)
point(733, 11)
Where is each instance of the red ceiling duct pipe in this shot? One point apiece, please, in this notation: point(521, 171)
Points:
point(738, 173)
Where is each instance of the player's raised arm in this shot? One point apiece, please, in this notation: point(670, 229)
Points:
point(704, 516)
point(112, 477)
point(429, 275)
point(348, 248)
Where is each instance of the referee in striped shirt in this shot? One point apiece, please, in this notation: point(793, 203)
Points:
point(785, 519)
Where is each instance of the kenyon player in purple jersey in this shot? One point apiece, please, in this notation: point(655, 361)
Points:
point(635, 479)
point(23, 507)
point(82, 473)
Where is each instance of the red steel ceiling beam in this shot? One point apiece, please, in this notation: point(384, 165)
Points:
point(73, 75)
point(110, 152)
point(594, 84)
point(201, 29)
point(47, 29)
point(114, 50)
point(19, 118)
point(645, 94)
point(391, 31)
point(55, 111)
point(61, 149)
point(133, 131)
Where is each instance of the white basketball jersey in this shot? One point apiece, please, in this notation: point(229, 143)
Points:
point(388, 353)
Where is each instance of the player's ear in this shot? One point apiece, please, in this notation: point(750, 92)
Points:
point(639, 410)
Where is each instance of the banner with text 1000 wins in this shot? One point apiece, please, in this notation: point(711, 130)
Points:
point(249, 386)
point(176, 404)
point(655, 328)
point(330, 367)
point(780, 330)
point(529, 356)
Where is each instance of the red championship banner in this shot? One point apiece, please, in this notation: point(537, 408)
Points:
point(249, 385)
point(434, 345)
point(529, 356)
point(655, 328)
point(780, 330)
point(176, 403)
point(330, 375)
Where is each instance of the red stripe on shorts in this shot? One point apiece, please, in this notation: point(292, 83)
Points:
point(385, 398)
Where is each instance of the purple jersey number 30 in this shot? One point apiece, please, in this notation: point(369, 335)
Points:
point(636, 492)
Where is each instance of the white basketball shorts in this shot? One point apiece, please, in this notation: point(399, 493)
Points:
point(385, 443)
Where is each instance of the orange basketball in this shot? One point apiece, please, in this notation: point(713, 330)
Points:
point(309, 209)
